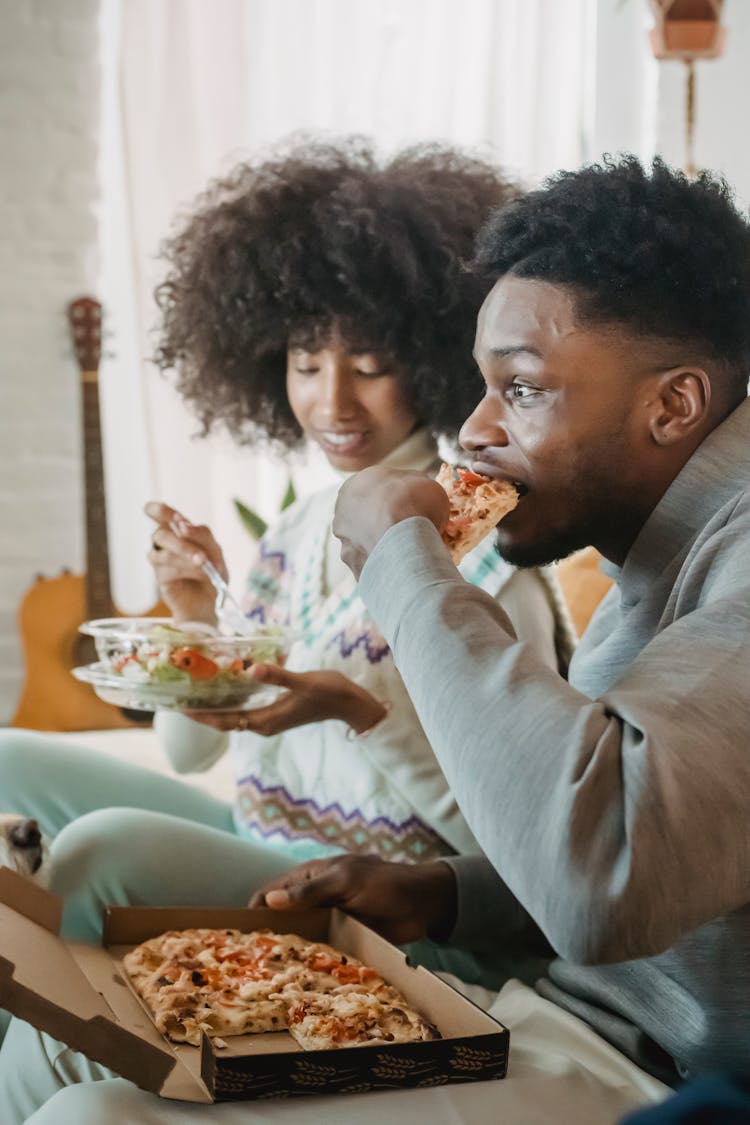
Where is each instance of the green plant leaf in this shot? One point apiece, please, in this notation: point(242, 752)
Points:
point(251, 521)
point(289, 496)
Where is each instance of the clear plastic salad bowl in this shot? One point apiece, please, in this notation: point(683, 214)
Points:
point(146, 663)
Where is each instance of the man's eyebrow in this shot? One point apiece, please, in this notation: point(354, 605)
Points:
point(513, 349)
point(516, 349)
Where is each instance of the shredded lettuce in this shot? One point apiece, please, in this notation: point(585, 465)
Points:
point(168, 673)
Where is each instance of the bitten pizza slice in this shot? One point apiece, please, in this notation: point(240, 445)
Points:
point(477, 504)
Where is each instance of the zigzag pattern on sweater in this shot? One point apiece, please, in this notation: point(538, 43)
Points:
point(278, 557)
point(373, 645)
point(263, 586)
point(271, 810)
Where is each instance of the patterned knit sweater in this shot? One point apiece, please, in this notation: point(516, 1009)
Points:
point(316, 790)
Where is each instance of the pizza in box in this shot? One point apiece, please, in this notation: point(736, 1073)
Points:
point(223, 982)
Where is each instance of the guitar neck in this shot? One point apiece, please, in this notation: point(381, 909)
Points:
point(98, 588)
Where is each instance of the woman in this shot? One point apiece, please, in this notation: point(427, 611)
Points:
point(316, 295)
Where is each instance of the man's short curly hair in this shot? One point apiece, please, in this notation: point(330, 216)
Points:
point(664, 256)
point(323, 236)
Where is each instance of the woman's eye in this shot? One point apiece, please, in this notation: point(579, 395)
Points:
point(306, 370)
point(369, 373)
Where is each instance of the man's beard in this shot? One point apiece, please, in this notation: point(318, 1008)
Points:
point(589, 526)
point(544, 552)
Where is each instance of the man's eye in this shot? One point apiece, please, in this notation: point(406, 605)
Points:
point(520, 391)
point(305, 370)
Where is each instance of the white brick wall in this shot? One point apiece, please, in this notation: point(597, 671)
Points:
point(49, 118)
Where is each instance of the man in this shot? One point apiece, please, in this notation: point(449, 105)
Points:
point(615, 345)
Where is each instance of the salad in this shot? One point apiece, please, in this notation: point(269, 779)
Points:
point(157, 663)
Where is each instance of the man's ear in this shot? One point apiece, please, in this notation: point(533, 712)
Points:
point(680, 404)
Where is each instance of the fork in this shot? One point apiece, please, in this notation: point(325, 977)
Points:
point(226, 607)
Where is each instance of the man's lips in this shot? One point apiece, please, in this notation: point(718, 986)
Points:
point(494, 472)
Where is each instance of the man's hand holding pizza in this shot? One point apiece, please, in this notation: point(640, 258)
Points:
point(402, 901)
point(375, 499)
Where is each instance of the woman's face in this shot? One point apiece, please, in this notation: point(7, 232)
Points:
point(351, 403)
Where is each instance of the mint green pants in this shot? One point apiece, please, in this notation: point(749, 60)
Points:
point(126, 836)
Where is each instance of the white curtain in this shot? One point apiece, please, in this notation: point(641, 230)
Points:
point(191, 87)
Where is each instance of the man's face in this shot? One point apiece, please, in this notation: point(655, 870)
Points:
point(564, 418)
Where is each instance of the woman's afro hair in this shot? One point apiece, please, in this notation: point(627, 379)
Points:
point(663, 255)
point(323, 236)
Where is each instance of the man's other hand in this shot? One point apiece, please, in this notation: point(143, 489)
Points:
point(402, 901)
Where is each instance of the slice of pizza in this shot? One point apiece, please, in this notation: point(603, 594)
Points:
point(221, 982)
point(184, 1017)
point(186, 1003)
point(328, 969)
point(320, 1021)
point(477, 504)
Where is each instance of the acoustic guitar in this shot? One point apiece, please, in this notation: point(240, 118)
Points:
point(53, 608)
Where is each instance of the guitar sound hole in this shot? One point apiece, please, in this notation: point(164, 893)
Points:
point(84, 650)
point(143, 718)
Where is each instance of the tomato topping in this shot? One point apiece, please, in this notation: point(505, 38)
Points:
point(324, 963)
point(353, 974)
point(197, 666)
point(343, 971)
point(468, 477)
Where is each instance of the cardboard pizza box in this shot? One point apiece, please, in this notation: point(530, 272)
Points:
point(79, 993)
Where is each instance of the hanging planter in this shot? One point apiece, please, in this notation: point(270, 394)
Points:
point(687, 29)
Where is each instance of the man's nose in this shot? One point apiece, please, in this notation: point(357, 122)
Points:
point(484, 427)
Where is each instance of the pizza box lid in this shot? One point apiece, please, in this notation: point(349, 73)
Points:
point(79, 993)
point(44, 983)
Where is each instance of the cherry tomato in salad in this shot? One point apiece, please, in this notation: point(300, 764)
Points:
point(197, 666)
